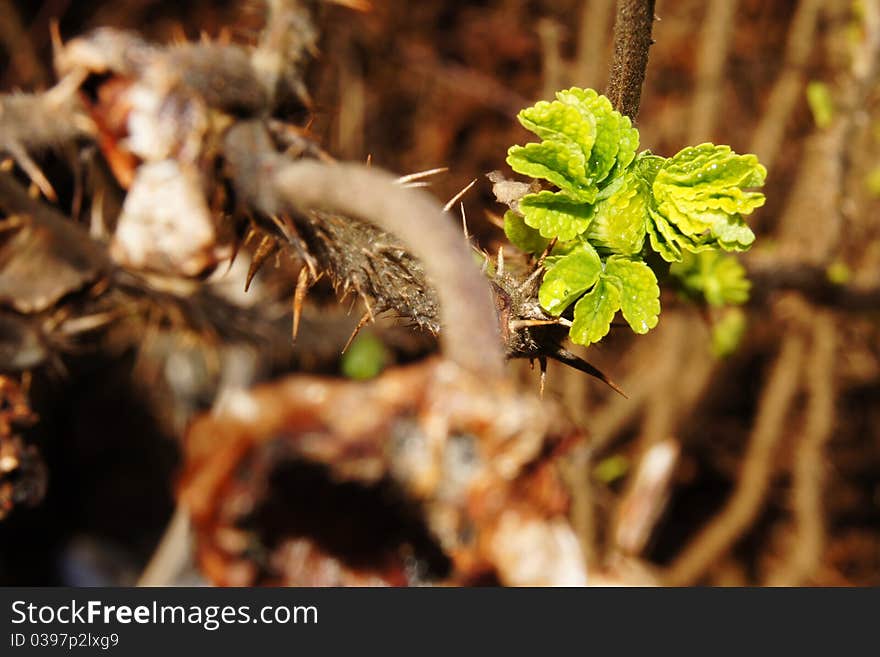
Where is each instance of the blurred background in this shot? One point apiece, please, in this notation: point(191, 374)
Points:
point(761, 466)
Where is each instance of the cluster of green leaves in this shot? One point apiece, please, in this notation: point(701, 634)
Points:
point(609, 200)
point(714, 277)
point(719, 280)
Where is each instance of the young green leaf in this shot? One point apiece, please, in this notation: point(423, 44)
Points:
point(620, 222)
point(521, 235)
point(699, 196)
point(727, 332)
point(639, 292)
point(712, 168)
point(559, 121)
point(718, 278)
point(568, 278)
point(616, 140)
point(554, 214)
point(594, 312)
point(561, 163)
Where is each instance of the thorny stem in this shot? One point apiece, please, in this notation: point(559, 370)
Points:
point(632, 39)
point(272, 183)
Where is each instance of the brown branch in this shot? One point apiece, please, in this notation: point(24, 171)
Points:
point(770, 274)
point(717, 538)
point(632, 39)
point(272, 183)
point(786, 92)
point(808, 475)
point(714, 46)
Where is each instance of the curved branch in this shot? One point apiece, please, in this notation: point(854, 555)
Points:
point(272, 183)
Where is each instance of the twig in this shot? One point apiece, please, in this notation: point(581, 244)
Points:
point(715, 540)
point(592, 41)
point(808, 541)
point(786, 92)
point(270, 183)
point(552, 74)
point(769, 273)
point(632, 39)
point(172, 554)
point(646, 497)
point(712, 55)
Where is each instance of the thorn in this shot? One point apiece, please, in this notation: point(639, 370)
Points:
point(55, 37)
point(567, 358)
point(418, 175)
point(97, 227)
point(499, 267)
point(467, 238)
point(178, 34)
point(464, 191)
point(264, 251)
point(547, 251)
point(542, 361)
point(224, 37)
point(369, 159)
point(32, 170)
point(531, 279)
point(251, 234)
point(517, 324)
point(282, 226)
point(367, 318)
point(368, 306)
point(299, 296)
point(236, 247)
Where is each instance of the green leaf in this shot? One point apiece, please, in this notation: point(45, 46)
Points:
point(699, 197)
point(594, 312)
point(662, 237)
point(568, 278)
point(639, 292)
point(559, 121)
point(620, 221)
point(647, 166)
point(561, 163)
point(718, 278)
point(522, 236)
point(728, 331)
point(733, 233)
point(709, 166)
point(587, 144)
point(616, 140)
point(554, 214)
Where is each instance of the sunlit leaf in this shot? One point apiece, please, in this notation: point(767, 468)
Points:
point(568, 278)
point(555, 214)
point(639, 292)
point(593, 313)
